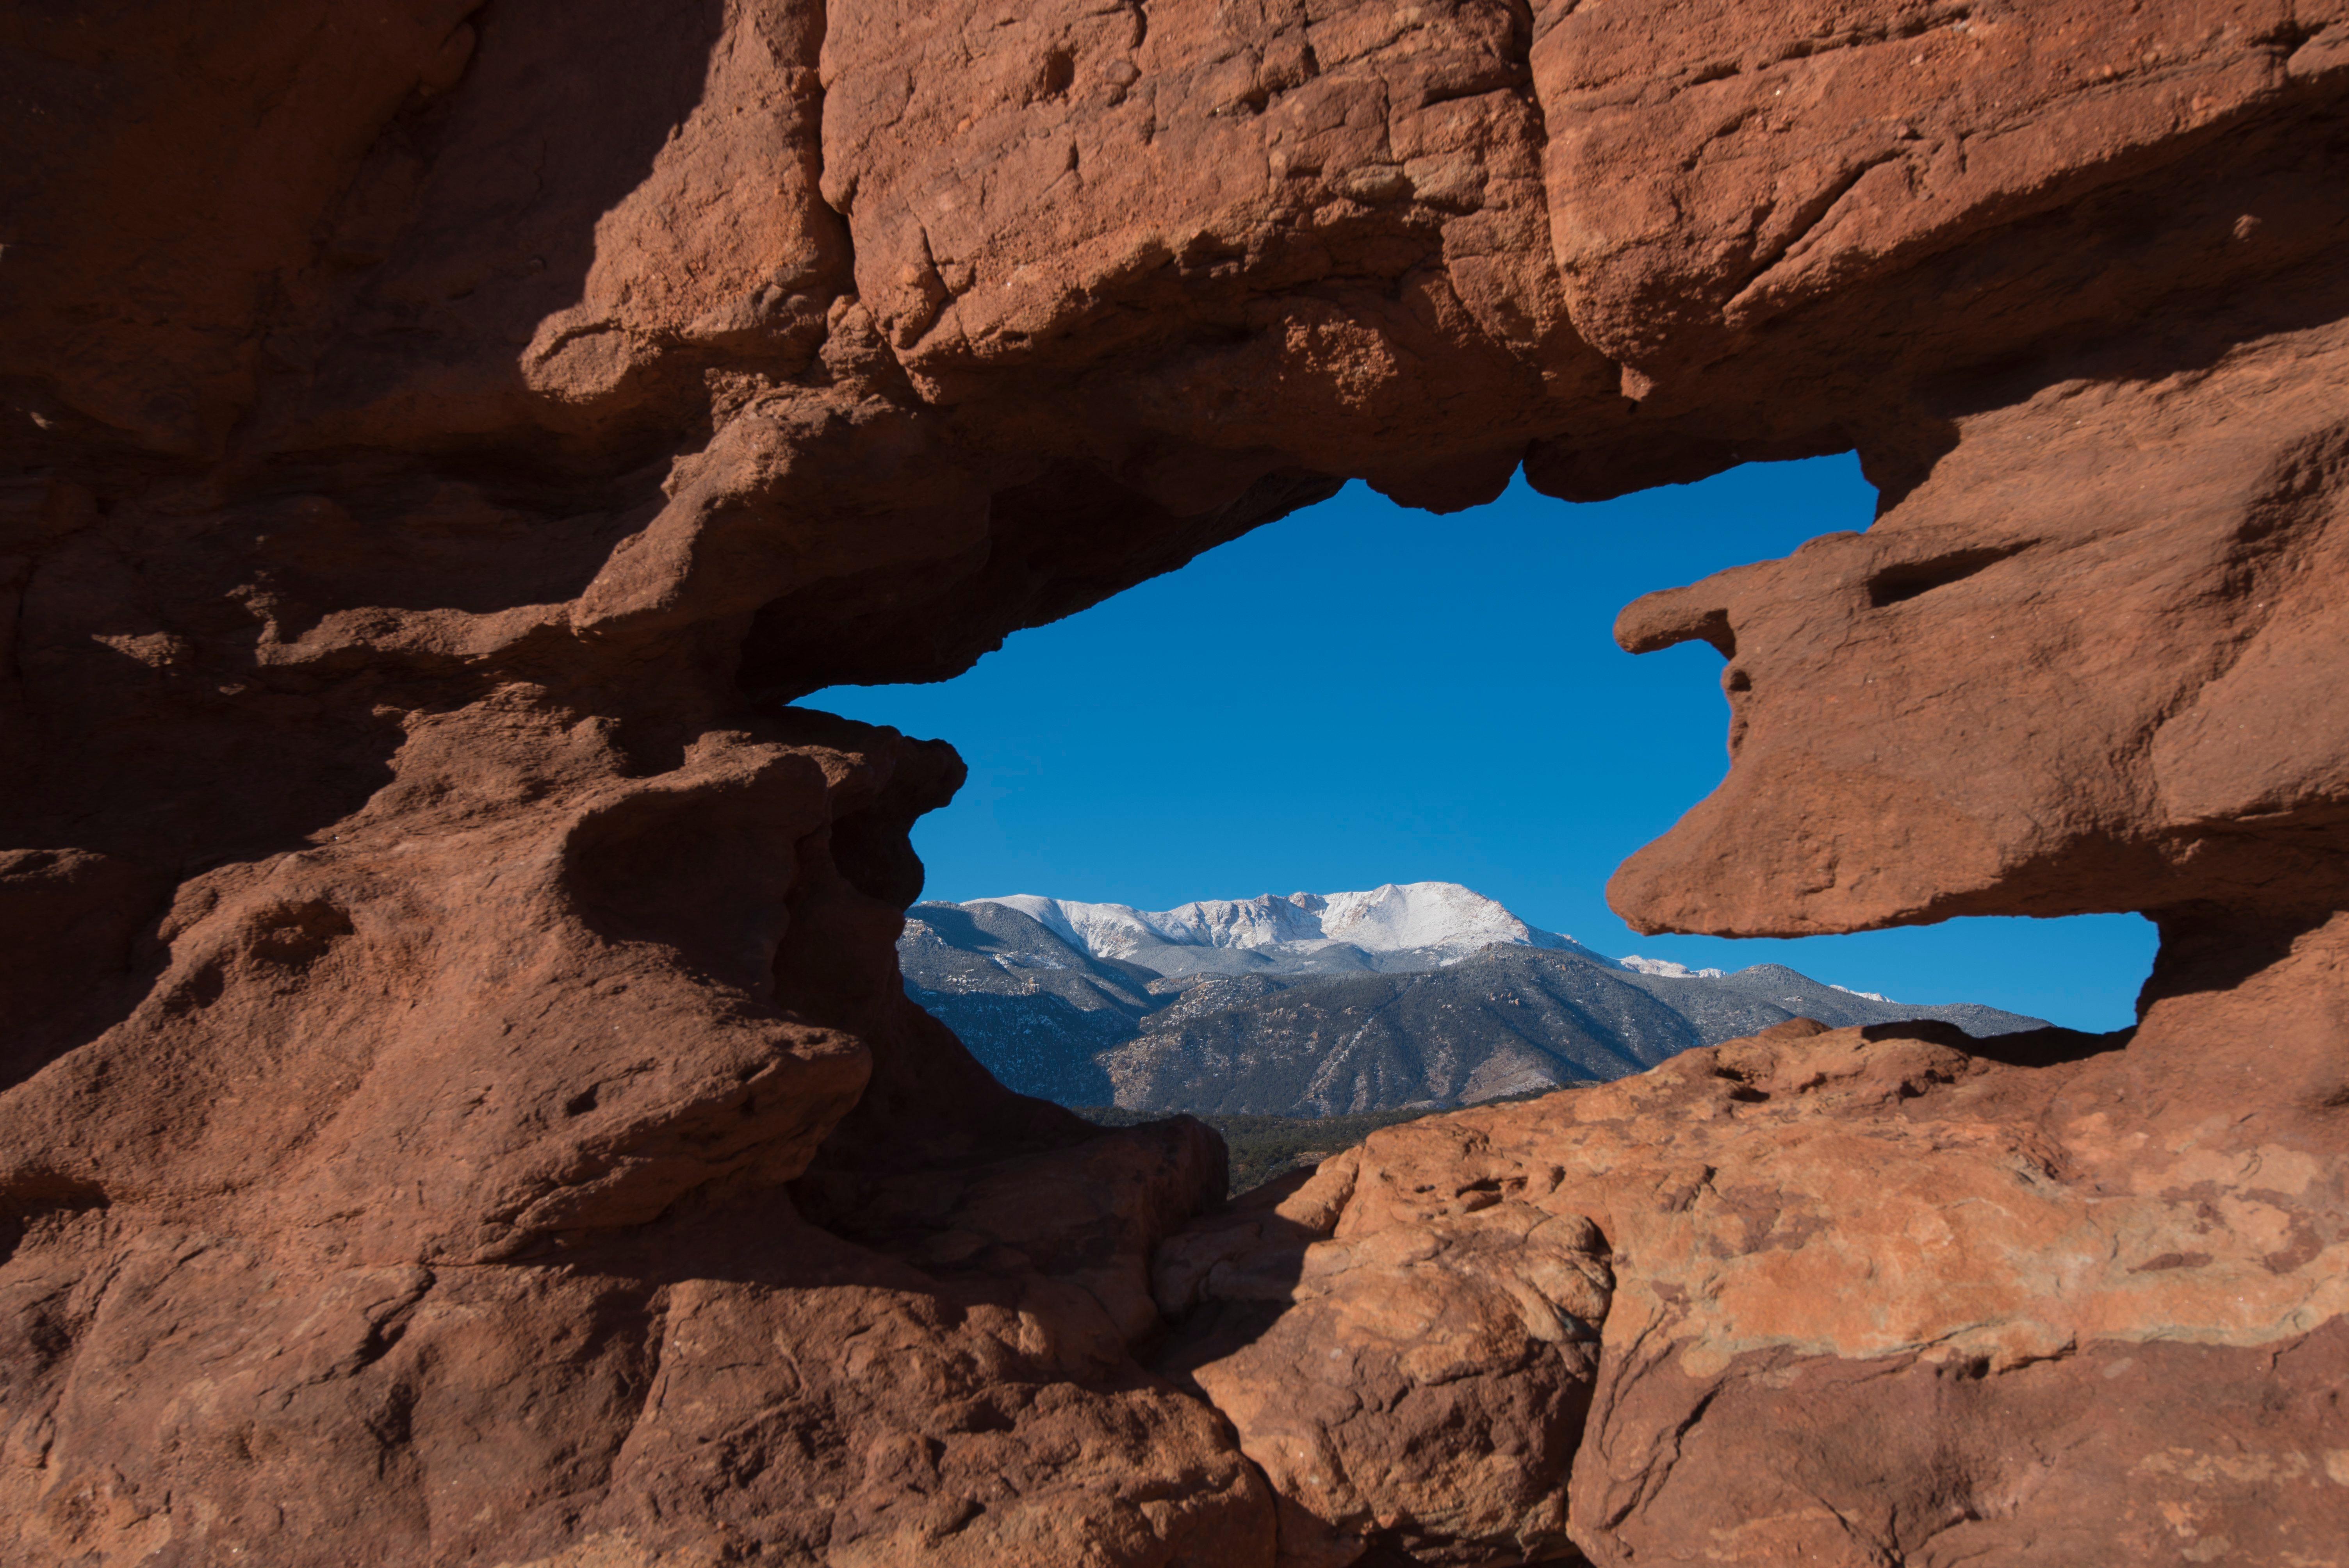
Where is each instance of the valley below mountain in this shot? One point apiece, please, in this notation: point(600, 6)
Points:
point(1408, 996)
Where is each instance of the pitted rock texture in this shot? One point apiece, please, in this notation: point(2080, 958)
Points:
point(1865, 1294)
point(2152, 742)
point(455, 1099)
point(375, 1275)
point(1420, 1383)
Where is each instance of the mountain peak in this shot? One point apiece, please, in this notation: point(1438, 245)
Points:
point(1317, 1004)
point(1439, 917)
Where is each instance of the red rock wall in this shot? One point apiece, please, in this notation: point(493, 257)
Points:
point(456, 1102)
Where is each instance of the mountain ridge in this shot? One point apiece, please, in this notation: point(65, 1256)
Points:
point(1393, 926)
point(1428, 994)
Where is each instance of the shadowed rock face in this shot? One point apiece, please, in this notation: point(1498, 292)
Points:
point(457, 1100)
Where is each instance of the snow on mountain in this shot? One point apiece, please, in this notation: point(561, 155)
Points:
point(1314, 1004)
point(1444, 918)
point(1432, 914)
point(1434, 922)
point(1671, 971)
point(1119, 930)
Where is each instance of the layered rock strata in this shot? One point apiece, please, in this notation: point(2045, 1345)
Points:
point(455, 1099)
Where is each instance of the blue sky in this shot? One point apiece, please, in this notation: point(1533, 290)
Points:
point(1363, 694)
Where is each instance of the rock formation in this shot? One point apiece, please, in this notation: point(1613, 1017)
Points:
point(1866, 1296)
point(456, 1101)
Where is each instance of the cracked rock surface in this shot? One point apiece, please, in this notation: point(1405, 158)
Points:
point(1858, 1295)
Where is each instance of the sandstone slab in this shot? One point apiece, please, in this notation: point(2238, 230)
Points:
point(1862, 1295)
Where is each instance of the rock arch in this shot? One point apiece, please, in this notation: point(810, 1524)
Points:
point(456, 1102)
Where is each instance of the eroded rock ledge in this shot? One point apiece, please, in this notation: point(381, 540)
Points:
point(456, 1101)
point(1845, 1296)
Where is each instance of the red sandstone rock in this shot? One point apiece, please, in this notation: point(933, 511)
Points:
point(456, 1102)
point(395, 1301)
point(1874, 1297)
point(2018, 692)
point(1422, 1385)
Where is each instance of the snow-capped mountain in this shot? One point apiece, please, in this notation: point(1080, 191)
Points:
point(1400, 925)
point(1422, 993)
